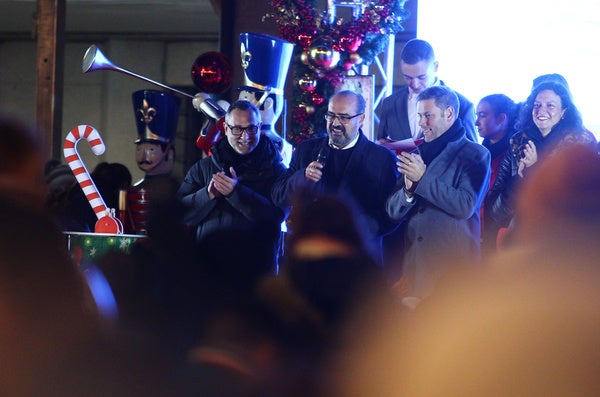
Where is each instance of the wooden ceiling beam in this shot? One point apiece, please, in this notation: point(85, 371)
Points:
point(216, 4)
point(50, 30)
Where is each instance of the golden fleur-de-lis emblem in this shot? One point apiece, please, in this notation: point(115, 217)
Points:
point(147, 112)
point(246, 57)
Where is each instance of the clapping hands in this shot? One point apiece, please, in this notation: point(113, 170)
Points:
point(221, 184)
point(529, 158)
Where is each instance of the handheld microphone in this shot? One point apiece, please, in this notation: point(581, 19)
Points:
point(322, 156)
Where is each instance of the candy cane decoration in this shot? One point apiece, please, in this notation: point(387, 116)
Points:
point(105, 223)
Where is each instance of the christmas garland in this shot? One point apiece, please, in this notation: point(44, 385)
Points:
point(327, 48)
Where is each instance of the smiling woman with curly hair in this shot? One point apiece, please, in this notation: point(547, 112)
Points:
point(549, 121)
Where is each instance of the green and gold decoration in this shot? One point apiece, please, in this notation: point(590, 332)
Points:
point(90, 247)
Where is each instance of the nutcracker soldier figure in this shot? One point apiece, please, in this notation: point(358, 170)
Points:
point(156, 115)
point(266, 60)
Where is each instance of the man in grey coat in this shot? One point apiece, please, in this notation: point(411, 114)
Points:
point(439, 196)
point(399, 120)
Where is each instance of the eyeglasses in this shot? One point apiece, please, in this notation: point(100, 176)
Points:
point(237, 130)
point(331, 117)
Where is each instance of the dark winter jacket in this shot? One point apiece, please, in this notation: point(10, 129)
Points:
point(250, 203)
point(500, 202)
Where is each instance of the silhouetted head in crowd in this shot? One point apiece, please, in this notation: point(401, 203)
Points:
point(235, 258)
point(330, 218)
point(237, 320)
point(46, 310)
point(528, 328)
point(59, 178)
point(559, 204)
point(21, 159)
point(327, 259)
point(109, 178)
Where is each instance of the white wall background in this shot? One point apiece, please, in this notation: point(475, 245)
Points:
point(486, 47)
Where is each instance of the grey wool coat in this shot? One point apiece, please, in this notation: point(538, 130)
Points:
point(442, 223)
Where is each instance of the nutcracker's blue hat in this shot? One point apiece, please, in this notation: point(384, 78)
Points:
point(265, 60)
point(156, 114)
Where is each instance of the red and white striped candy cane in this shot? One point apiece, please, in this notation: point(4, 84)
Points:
point(81, 173)
point(106, 223)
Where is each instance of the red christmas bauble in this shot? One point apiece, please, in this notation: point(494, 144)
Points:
point(347, 64)
point(305, 39)
point(76, 254)
point(317, 99)
point(212, 72)
point(350, 44)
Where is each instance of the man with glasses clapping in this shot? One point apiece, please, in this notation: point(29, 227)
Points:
point(345, 163)
point(231, 189)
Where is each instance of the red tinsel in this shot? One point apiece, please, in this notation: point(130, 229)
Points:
point(351, 41)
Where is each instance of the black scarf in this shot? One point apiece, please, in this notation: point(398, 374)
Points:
point(430, 150)
point(258, 160)
point(498, 148)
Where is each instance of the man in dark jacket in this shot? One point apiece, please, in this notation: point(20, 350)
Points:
point(398, 117)
point(232, 187)
point(344, 163)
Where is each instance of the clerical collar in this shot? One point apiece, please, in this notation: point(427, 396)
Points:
point(348, 146)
